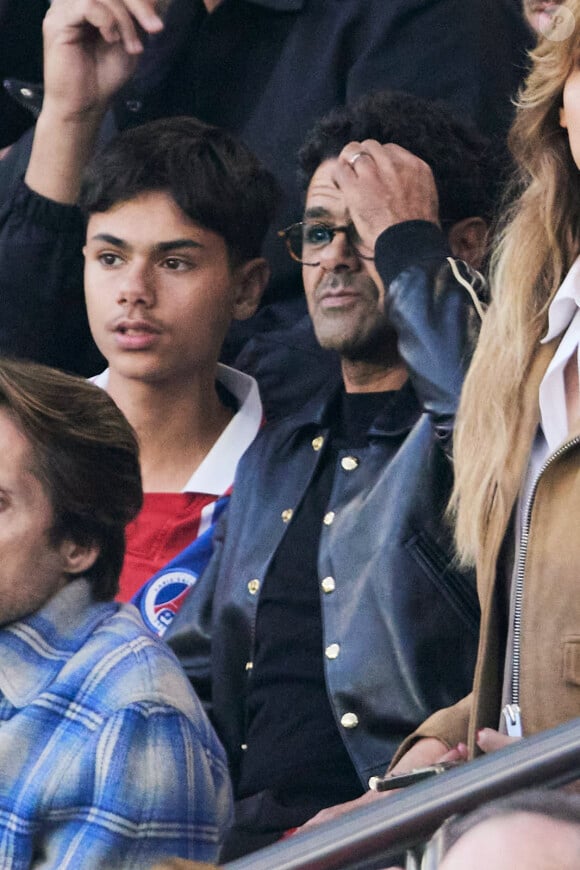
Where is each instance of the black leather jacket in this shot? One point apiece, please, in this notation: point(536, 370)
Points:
point(400, 623)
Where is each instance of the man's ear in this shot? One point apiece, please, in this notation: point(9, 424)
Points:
point(250, 281)
point(78, 558)
point(468, 240)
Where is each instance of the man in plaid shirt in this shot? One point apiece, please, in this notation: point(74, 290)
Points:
point(107, 757)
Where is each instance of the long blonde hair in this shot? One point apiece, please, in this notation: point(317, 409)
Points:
point(538, 240)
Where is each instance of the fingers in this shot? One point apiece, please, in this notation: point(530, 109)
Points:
point(331, 813)
point(357, 160)
point(358, 155)
point(142, 11)
point(115, 20)
point(370, 156)
point(458, 753)
point(489, 740)
point(384, 185)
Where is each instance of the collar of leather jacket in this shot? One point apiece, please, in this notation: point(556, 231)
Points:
point(399, 415)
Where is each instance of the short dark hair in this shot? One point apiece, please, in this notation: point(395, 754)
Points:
point(468, 168)
point(556, 804)
point(85, 455)
point(214, 179)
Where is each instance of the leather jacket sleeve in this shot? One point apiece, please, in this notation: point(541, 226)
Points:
point(432, 312)
point(437, 325)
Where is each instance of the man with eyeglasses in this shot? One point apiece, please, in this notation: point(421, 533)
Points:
point(336, 615)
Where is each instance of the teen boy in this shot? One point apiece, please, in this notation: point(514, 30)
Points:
point(176, 213)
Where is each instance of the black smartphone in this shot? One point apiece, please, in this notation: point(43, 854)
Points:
point(401, 780)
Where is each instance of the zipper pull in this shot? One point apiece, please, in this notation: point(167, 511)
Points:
point(513, 720)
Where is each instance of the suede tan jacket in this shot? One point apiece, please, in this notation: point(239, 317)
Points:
point(550, 646)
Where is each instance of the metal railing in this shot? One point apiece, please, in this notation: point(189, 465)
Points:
point(372, 835)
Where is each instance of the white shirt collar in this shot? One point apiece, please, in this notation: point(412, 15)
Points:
point(564, 304)
point(216, 473)
point(563, 320)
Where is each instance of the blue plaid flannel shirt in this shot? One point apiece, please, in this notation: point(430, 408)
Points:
point(106, 756)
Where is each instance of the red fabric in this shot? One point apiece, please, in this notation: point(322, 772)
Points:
point(166, 524)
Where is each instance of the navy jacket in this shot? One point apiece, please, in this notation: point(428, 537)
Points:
point(400, 623)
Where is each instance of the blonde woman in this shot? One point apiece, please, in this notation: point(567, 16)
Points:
point(516, 500)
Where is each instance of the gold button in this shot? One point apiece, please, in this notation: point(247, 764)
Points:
point(243, 747)
point(349, 463)
point(349, 720)
point(328, 518)
point(328, 584)
point(287, 515)
point(253, 587)
point(249, 666)
point(317, 442)
point(332, 651)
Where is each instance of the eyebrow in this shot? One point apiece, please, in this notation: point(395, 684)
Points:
point(316, 211)
point(160, 247)
point(319, 212)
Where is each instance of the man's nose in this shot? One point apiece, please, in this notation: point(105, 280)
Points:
point(136, 286)
point(339, 254)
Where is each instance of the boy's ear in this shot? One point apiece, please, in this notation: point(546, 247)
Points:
point(250, 281)
point(78, 558)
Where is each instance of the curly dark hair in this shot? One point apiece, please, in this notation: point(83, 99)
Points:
point(469, 169)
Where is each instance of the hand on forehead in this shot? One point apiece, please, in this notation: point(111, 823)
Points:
point(384, 185)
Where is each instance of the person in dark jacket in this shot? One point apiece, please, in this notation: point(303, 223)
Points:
point(468, 174)
point(176, 212)
point(331, 616)
point(266, 70)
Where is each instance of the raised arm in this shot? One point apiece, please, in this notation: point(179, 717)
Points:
point(91, 48)
point(430, 298)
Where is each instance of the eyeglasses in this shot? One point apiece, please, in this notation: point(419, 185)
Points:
point(306, 240)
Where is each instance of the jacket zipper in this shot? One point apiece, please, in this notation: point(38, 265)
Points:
point(512, 712)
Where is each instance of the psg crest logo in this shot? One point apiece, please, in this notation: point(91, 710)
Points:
point(164, 596)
